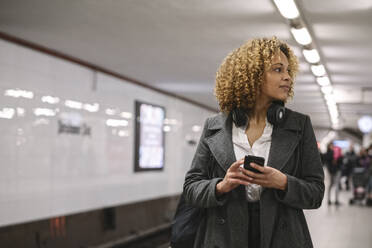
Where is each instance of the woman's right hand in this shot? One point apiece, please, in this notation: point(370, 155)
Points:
point(233, 178)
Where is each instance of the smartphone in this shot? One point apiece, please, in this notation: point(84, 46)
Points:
point(249, 159)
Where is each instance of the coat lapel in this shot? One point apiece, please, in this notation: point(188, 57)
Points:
point(284, 140)
point(220, 143)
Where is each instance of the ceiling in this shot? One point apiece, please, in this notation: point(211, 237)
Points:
point(177, 46)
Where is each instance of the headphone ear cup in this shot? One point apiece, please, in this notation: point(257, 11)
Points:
point(276, 113)
point(280, 113)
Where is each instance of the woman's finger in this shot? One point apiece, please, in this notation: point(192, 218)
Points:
point(237, 164)
point(238, 181)
point(241, 176)
point(260, 182)
point(253, 174)
point(258, 167)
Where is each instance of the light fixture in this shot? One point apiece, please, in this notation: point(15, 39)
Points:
point(323, 81)
point(312, 56)
point(318, 70)
point(327, 89)
point(333, 111)
point(287, 8)
point(365, 124)
point(329, 97)
point(301, 35)
point(331, 102)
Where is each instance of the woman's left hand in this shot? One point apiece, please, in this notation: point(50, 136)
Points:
point(269, 178)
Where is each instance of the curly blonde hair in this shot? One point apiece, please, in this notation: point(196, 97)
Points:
point(240, 76)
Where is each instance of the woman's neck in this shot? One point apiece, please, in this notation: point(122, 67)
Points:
point(259, 113)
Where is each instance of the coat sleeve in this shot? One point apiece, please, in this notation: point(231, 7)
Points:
point(199, 188)
point(306, 192)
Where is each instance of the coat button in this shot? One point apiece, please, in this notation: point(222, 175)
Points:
point(221, 221)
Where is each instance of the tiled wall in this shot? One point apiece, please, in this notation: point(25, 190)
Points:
point(44, 173)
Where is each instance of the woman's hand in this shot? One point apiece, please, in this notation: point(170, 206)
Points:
point(233, 178)
point(270, 177)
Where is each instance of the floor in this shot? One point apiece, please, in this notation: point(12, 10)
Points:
point(344, 226)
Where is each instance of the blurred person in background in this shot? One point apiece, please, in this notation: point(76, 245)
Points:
point(369, 186)
point(333, 160)
point(349, 162)
point(363, 159)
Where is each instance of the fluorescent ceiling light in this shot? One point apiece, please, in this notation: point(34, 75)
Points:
point(287, 8)
point(332, 104)
point(318, 70)
point(333, 110)
point(301, 35)
point(312, 56)
point(327, 89)
point(330, 100)
point(323, 81)
point(334, 116)
point(329, 97)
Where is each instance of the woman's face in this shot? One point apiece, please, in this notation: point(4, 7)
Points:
point(277, 81)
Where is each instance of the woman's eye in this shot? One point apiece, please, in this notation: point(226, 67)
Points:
point(277, 69)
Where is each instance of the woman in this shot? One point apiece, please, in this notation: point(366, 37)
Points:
point(246, 209)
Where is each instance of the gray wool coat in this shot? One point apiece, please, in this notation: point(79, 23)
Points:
point(293, 151)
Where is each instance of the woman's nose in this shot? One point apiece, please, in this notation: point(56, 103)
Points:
point(286, 76)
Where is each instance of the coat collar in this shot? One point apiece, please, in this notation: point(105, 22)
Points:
point(220, 143)
point(284, 140)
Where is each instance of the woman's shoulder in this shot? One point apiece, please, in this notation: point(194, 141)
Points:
point(218, 118)
point(296, 120)
point(296, 115)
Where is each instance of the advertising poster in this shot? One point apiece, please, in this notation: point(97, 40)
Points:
point(149, 140)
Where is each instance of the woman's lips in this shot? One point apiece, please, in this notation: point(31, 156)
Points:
point(285, 87)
